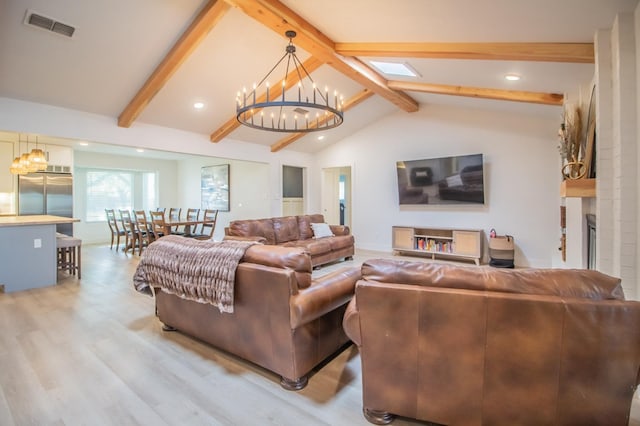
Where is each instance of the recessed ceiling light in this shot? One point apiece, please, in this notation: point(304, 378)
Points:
point(512, 77)
point(140, 150)
point(395, 68)
point(320, 137)
point(83, 143)
point(198, 105)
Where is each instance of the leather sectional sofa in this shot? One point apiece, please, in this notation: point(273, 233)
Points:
point(296, 231)
point(481, 346)
point(283, 320)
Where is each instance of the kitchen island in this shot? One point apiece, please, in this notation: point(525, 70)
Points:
point(28, 251)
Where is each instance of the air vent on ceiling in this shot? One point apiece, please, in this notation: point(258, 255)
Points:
point(39, 21)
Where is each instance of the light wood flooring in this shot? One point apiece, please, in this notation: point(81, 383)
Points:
point(91, 352)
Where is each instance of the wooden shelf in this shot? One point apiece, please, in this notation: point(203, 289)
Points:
point(584, 188)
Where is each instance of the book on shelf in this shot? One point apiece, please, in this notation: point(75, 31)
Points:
point(429, 244)
point(439, 246)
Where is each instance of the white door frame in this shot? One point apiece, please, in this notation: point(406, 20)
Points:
point(330, 203)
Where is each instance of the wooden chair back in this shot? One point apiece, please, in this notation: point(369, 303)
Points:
point(132, 234)
point(111, 219)
point(175, 214)
point(144, 228)
point(125, 218)
point(125, 215)
point(207, 228)
point(116, 230)
point(157, 223)
point(193, 214)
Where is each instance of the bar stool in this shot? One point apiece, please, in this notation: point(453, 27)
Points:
point(69, 254)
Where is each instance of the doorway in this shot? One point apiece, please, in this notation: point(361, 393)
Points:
point(292, 191)
point(336, 195)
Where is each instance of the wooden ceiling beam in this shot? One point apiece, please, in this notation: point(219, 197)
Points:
point(292, 79)
point(477, 92)
point(350, 103)
point(208, 17)
point(545, 52)
point(280, 18)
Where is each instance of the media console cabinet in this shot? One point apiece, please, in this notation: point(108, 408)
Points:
point(420, 240)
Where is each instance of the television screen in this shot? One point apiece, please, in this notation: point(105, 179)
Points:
point(445, 180)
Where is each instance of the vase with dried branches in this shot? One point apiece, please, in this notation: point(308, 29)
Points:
point(570, 143)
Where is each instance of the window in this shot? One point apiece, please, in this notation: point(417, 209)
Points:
point(119, 190)
point(149, 191)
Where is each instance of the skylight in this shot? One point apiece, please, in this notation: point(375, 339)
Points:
point(395, 68)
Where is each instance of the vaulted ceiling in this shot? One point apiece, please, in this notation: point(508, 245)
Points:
point(149, 61)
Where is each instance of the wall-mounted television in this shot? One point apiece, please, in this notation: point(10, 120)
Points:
point(445, 180)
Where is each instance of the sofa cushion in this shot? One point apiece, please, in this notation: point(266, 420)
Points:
point(304, 225)
point(252, 228)
point(341, 241)
point(286, 229)
point(576, 283)
point(313, 247)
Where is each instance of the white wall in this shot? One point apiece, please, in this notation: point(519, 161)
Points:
point(617, 190)
point(636, 219)
point(522, 176)
point(617, 198)
point(249, 189)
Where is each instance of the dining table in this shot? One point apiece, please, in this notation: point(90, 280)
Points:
point(187, 224)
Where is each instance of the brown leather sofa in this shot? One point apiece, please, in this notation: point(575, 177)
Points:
point(283, 320)
point(296, 231)
point(481, 346)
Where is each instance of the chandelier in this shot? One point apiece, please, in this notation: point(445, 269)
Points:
point(35, 161)
point(306, 109)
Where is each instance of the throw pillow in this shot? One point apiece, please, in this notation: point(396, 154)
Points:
point(321, 230)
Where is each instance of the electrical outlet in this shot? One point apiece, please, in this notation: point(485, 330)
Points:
point(37, 243)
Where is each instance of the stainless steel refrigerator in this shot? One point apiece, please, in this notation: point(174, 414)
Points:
point(47, 193)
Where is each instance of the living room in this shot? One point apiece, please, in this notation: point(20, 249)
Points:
point(519, 144)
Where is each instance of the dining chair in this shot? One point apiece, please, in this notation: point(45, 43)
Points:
point(133, 237)
point(192, 215)
point(157, 224)
point(144, 229)
point(116, 231)
point(125, 218)
point(174, 215)
point(211, 217)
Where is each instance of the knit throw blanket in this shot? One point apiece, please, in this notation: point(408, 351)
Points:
point(199, 270)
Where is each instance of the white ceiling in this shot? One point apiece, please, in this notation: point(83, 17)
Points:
point(118, 43)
